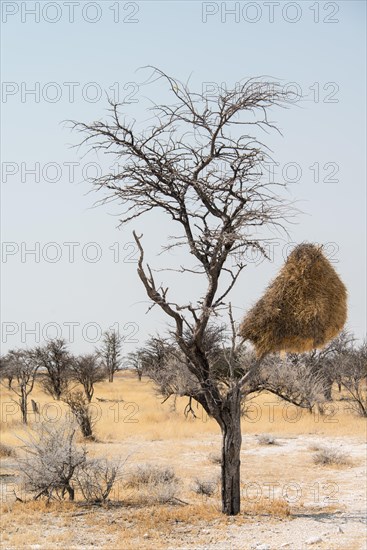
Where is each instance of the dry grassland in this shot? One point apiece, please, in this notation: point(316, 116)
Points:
point(287, 499)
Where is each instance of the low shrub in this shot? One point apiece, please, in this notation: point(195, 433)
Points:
point(330, 456)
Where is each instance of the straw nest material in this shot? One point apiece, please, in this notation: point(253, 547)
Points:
point(302, 309)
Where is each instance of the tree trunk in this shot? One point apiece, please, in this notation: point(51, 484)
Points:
point(110, 376)
point(328, 389)
point(71, 492)
point(23, 407)
point(231, 449)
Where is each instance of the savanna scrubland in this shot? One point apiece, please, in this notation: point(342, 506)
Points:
point(291, 497)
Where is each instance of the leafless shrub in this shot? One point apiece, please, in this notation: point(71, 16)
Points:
point(50, 461)
point(204, 487)
point(296, 384)
point(96, 478)
point(329, 456)
point(79, 406)
point(215, 458)
point(6, 450)
point(266, 439)
point(153, 484)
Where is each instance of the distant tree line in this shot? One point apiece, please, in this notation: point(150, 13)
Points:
point(59, 372)
point(306, 380)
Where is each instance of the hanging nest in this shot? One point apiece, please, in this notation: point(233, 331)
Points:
point(302, 309)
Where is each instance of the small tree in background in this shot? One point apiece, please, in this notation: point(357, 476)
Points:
point(87, 370)
point(110, 352)
point(79, 406)
point(56, 360)
point(327, 362)
point(23, 366)
point(6, 370)
point(352, 368)
point(135, 361)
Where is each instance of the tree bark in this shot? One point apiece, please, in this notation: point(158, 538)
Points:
point(231, 449)
point(110, 376)
point(23, 407)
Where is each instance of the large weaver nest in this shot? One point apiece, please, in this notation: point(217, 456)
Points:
point(302, 309)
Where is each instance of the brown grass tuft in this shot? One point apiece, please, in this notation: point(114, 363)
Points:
point(277, 507)
point(302, 309)
point(152, 484)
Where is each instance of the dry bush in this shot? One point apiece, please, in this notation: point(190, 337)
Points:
point(205, 487)
point(51, 458)
point(153, 484)
point(96, 478)
point(215, 458)
point(266, 439)
point(329, 456)
point(297, 384)
point(6, 450)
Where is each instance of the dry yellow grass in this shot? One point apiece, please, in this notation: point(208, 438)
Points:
point(142, 416)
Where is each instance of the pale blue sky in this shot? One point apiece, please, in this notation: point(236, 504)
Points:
point(325, 59)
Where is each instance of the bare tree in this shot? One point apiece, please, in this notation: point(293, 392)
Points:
point(353, 378)
point(55, 359)
point(327, 363)
point(340, 362)
point(79, 406)
point(200, 162)
point(24, 367)
point(87, 370)
point(6, 370)
point(135, 360)
point(110, 352)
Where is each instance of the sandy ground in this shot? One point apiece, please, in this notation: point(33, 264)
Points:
point(327, 504)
